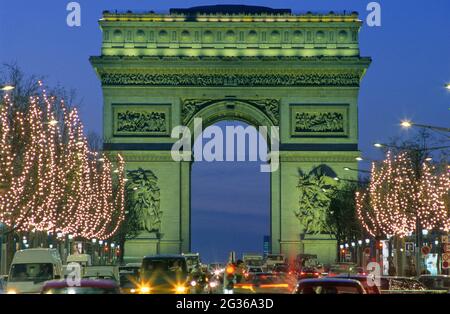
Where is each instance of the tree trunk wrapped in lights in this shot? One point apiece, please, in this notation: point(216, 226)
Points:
point(52, 182)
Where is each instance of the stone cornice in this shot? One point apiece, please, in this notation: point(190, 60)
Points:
point(144, 61)
point(161, 156)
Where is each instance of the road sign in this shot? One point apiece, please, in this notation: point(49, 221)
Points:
point(426, 250)
point(446, 248)
point(445, 260)
point(409, 246)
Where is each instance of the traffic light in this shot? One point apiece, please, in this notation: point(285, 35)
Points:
point(230, 276)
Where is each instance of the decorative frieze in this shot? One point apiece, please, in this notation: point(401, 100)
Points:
point(321, 120)
point(141, 120)
point(302, 79)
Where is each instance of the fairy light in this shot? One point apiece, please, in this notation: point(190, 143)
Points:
point(396, 197)
point(53, 181)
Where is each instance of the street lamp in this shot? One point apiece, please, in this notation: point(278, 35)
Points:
point(428, 149)
point(367, 241)
point(408, 124)
point(7, 87)
point(447, 86)
point(357, 170)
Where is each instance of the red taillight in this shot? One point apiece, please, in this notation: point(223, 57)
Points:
point(302, 273)
point(316, 274)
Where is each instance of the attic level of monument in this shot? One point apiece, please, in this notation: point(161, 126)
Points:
point(206, 32)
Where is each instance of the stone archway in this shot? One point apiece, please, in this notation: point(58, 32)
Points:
point(305, 81)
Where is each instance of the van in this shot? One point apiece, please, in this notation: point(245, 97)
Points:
point(30, 269)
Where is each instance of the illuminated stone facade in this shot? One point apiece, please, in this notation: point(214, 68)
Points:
point(298, 72)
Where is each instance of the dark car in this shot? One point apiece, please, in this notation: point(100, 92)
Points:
point(437, 282)
point(265, 283)
point(3, 281)
point(164, 274)
point(307, 273)
point(85, 286)
point(329, 286)
point(368, 282)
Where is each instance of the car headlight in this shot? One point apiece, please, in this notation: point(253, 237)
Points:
point(11, 291)
point(213, 284)
point(133, 290)
point(180, 289)
point(145, 289)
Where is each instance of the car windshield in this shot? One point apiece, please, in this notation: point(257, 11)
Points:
point(128, 279)
point(169, 265)
point(82, 290)
point(36, 272)
point(320, 288)
point(277, 258)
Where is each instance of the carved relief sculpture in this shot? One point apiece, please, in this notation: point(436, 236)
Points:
point(141, 122)
point(319, 122)
point(144, 197)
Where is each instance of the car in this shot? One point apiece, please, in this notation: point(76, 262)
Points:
point(329, 286)
point(273, 260)
point(265, 283)
point(367, 282)
point(129, 278)
point(85, 286)
point(306, 273)
point(344, 268)
point(436, 282)
point(281, 268)
point(3, 281)
point(401, 285)
point(164, 274)
point(100, 272)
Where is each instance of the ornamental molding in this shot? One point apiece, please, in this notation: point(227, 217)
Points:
point(232, 77)
point(270, 107)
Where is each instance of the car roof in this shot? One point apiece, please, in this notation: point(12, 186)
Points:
point(330, 280)
point(165, 256)
point(93, 283)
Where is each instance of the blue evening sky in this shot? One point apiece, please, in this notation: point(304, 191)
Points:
point(411, 63)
